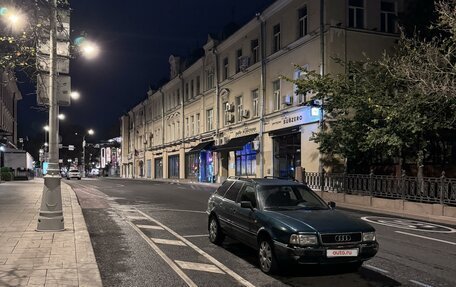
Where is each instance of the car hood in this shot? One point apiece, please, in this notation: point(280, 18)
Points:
point(323, 221)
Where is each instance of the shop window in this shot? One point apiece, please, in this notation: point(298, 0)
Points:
point(192, 165)
point(173, 166)
point(245, 161)
point(287, 154)
point(159, 168)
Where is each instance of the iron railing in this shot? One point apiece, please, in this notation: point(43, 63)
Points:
point(428, 189)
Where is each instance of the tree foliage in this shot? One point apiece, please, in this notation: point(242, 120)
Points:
point(394, 106)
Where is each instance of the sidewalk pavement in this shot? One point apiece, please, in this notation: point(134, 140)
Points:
point(31, 258)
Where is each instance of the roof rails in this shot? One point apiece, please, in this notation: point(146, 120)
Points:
point(280, 177)
point(240, 177)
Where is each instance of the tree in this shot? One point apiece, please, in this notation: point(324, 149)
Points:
point(394, 106)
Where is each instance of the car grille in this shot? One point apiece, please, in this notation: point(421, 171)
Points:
point(341, 238)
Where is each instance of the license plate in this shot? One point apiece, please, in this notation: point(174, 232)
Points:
point(341, 252)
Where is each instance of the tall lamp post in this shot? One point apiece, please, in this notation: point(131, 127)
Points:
point(51, 215)
point(89, 132)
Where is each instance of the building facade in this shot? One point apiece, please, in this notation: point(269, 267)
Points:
point(9, 95)
point(233, 113)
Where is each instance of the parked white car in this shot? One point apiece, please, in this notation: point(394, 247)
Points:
point(73, 173)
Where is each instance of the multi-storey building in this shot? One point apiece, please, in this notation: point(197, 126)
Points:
point(232, 112)
point(9, 95)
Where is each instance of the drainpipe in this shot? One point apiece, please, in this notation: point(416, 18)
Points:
point(217, 92)
point(322, 72)
point(262, 89)
point(163, 116)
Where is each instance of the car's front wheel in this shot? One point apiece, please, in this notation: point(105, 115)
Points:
point(216, 235)
point(266, 257)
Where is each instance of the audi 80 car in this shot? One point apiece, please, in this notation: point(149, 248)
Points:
point(287, 223)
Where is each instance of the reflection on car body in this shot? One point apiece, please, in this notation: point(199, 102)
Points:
point(287, 223)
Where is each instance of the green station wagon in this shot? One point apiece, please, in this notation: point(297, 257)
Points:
point(287, 223)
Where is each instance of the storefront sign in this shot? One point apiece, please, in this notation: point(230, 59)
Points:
point(304, 115)
point(245, 131)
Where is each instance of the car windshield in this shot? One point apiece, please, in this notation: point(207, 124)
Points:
point(290, 197)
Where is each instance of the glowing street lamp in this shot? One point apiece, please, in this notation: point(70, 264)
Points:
point(61, 117)
point(75, 95)
point(88, 49)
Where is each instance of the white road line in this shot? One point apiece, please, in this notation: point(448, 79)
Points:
point(155, 227)
point(168, 241)
point(425, 237)
point(375, 268)
point(198, 266)
point(420, 284)
point(177, 210)
point(165, 258)
point(230, 272)
point(136, 217)
point(197, 235)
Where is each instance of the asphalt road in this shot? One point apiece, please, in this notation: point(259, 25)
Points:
point(148, 233)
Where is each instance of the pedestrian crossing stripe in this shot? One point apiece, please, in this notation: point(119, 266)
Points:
point(155, 227)
point(168, 241)
point(198, 266)
point(136, 218)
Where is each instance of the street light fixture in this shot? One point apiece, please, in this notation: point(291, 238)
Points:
point(75, 95)
point(61, 117)
point(89, 132)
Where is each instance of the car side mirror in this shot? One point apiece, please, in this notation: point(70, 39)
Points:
point(332, 204)
point(246, 204)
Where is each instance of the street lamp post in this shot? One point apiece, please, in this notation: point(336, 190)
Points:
point(51, 215)
point(89, 132)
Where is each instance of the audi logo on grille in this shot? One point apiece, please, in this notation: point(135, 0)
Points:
point(342, 238)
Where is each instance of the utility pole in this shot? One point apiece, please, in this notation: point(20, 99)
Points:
point(51, 215)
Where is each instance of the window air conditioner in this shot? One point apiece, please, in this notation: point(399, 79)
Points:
point(245, 113)
point(229, 107)
point(230, 118)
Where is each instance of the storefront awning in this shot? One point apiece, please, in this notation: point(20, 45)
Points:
point(202, 146)
point(235, 143)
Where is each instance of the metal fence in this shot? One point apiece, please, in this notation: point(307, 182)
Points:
point(428, 189)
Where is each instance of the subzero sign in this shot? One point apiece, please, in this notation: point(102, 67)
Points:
point(409, 224)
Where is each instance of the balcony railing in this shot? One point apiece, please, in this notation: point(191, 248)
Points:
point(427, 190)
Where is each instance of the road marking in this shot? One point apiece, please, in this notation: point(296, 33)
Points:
point(136, 217)
point(168, 241)
point(409, 224)
point(425, 237)
point(164, 257)
point(419, 283)
point(177, 210)
point(198, 235)
point(235, 276)
point(155, 227)
point(376, 268)
point(199, 266)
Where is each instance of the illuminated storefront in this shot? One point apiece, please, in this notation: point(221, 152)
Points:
point(199, 162)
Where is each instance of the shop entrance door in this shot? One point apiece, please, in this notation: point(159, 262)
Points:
point(159, 168)
point(287, 154)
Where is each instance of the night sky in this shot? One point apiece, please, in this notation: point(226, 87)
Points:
point(136, 38)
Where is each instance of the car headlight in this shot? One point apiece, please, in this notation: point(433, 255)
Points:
point(368, 236)
point(303, 239)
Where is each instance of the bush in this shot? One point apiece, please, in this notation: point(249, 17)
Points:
point(5, 169)
point(7, 176)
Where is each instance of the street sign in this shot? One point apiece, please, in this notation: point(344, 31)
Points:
point(70, 147)
point(63, 89)
point(63, 64)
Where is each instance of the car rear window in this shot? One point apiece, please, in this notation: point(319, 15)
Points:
point(232, 193)
point(74, 170)
point(224, 187)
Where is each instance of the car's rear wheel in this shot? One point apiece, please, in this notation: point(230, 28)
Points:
point(266, 257)
point(216, 235)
